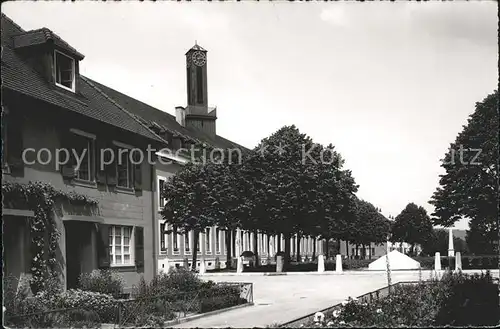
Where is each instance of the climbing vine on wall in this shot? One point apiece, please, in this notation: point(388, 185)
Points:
point(41, 198)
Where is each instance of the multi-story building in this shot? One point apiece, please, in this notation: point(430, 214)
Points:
point(48, 106)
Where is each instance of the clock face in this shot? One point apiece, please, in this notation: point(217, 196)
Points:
point(199, 58)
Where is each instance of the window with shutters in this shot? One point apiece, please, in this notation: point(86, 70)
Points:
point(64, 67)
point(208, 240)
point(163, 245)
point(161, 184)
point(175, 240)
point(218, 241)
point(124, 170)
point(198, 244)
point(187, 243)
point(121, 245)
point(83, 154)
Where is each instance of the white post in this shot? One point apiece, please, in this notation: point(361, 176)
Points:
point(458, 261)
point(203, 268)
point(451, 252)
point(437, 261)
point(237, 243)
point(239, 267)
point(321, 264)
point(338, 264)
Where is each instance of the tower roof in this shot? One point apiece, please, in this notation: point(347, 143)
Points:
point(196, 47)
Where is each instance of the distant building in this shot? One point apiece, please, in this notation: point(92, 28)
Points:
point(373, 251)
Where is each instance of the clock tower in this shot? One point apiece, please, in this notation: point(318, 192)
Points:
point(196, 68)
point(197, 115)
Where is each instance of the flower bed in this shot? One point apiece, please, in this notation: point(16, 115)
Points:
point(457, 299)
point(166, 297)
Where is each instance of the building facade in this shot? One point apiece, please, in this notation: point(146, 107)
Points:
point(48, 107)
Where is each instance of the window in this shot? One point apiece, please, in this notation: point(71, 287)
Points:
point(124, 169)
point(163, 246)
point(208, 240)
point(187, 243)
point(83, 147)
point(161, 200)
point(198, 244)
point(64, 67)
point(218, 240)
point(120, 242)
point(175, 240)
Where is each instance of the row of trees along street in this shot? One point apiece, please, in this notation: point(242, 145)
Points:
point(275, 189)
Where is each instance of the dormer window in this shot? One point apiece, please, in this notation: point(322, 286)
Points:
point(64, 67)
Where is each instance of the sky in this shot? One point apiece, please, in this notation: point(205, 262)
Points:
point(389, 84)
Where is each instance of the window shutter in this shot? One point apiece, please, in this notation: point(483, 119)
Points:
point(111, 174)
point(67, 142)
point(103, 246)
point(100, 173)
point(14, 142)
point(139, 246)
point(137, 172)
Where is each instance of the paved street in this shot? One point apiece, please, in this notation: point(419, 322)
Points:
point(279, 299)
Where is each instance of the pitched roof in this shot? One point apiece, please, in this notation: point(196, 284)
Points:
point(196, 47)
point(41, 36)
point(19, 76)
point(163, 120)
point(94, 99)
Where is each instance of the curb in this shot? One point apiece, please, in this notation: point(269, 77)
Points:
point(347, 272)
point(198, 316)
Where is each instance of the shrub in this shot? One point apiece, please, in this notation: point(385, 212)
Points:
point(177, 280)
point(103, 281)
point(457, 300)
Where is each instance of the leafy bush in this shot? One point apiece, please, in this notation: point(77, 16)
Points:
point(103, 281)
point(457, 299)
point(468, 262)
point(177, 280)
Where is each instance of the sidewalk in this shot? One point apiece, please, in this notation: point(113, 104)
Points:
point(279, 299)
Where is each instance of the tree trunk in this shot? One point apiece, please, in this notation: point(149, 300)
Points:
point(229, 250)
point(363, 250)
point(195, 249)
point(298, 248)
point(347, 249)
point(256, 247)
point(279, 243)
point(326, 247)
point(287, 252)
point(370, 251)
point(357, 251)
point(314, 249)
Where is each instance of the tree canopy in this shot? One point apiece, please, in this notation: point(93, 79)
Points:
point(469, 188)
point(412, 225)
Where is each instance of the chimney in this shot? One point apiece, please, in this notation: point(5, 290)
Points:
point(180, 115)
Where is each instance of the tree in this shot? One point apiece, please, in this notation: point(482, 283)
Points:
point(469, 188)
point(438, 242)
point(296, 184)
point(369, 225)
point(191, 204)
point(412, 225)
